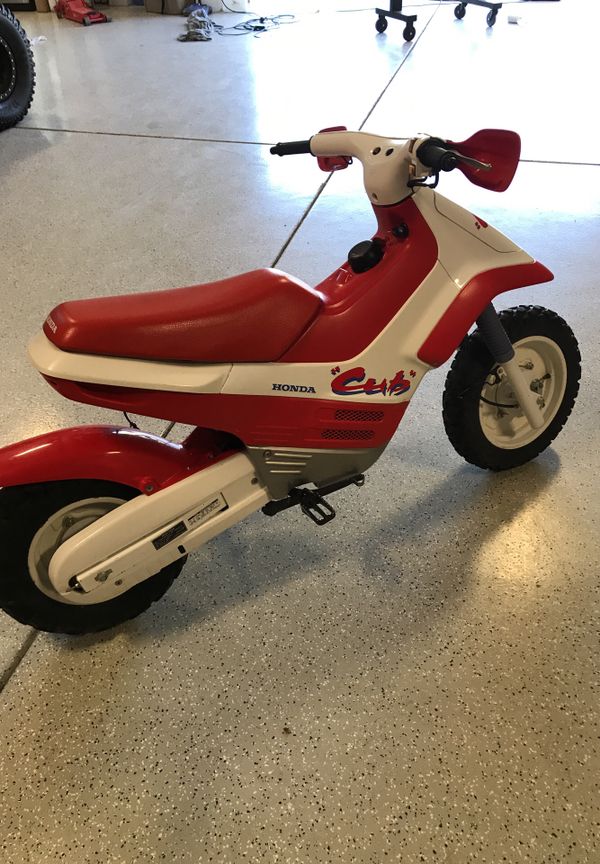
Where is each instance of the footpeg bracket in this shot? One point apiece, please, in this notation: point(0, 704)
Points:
point(315, 506)
point(312, 501)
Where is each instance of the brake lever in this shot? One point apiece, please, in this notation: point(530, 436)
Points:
point(474, 163)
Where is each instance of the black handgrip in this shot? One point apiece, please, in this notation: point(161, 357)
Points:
point(291, 148)
point(435, 154)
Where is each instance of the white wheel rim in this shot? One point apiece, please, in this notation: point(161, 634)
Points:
point(56, 530)
point(507, 427)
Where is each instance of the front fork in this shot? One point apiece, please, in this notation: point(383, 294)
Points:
point(501, 349)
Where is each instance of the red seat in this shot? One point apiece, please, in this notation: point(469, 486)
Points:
point(255, 317)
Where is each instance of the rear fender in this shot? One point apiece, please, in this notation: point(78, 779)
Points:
point(112, 453)
point(473, 298)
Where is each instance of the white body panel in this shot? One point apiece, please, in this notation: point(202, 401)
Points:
point(126, 372)
point(473, 225)
point(122, 541)
point(464, 251)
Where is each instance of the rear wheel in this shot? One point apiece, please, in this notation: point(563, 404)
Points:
point(17, 70)
point(482, 417)
point(34, 521)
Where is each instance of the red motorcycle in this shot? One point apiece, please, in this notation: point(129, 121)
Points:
point(294, 391)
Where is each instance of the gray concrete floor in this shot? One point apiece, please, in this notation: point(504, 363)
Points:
point(417, 682)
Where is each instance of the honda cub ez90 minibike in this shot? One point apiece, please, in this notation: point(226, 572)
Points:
point(294, 392)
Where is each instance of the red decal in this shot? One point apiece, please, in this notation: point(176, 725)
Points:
point(398, 384)
point(350, 383)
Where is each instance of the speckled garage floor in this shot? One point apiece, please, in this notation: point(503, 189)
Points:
point(418, 681)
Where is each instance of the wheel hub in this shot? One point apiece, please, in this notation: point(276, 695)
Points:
point(8, 71)
point(502, 420)
point(59, 528)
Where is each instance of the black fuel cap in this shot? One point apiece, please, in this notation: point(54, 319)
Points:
point(365, 255)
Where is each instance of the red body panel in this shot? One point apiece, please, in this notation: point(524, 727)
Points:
point(277, 421)
point(252, 317)
point(499, 147)
point(112, 453)
point(333, 163)
point(357, 306)
point(450, 330)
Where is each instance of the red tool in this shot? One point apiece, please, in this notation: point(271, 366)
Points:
point(80, 12)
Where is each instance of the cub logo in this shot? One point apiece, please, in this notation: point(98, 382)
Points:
point(352, 383)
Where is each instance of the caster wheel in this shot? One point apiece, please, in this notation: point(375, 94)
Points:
point(460, 11)
point(381, 24)
point(409, 33)
point(86, 21)
point(491, 17)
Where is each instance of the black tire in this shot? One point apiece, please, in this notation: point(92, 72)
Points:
point(460, 11)
point(409, 33)
point(472, 368)
point(491, 17)
point(23, 511)
point(17, 70)
point(381, 24)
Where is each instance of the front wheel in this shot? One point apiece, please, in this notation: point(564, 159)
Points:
point(34, 521)
point(482, 418)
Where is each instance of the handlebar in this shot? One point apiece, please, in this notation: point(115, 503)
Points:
point(434, 153)
point(439, 156)
point(291, 148)
point(390, 165)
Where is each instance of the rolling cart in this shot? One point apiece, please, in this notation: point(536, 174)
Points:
point(395, 11)
point(461, 10)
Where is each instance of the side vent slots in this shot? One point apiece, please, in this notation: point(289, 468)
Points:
point(359, 416)
point(348, 434)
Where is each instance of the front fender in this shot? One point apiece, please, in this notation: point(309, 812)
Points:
point(113, 453)
point(468, 305)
